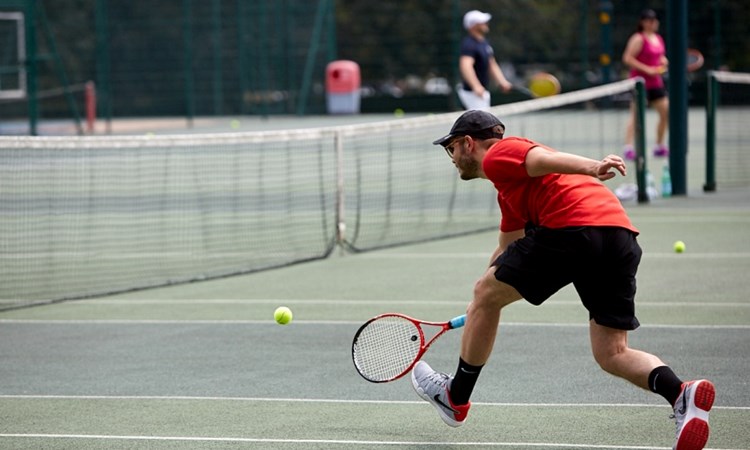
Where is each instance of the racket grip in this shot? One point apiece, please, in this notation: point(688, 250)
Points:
point(458, 322)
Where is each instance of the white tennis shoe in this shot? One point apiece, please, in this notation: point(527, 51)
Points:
point(691, 414)
point(433, 387)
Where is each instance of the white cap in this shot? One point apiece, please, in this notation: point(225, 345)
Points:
point(475, 17)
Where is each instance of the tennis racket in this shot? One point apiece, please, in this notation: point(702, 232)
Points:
point(542, 84)
point(694, 60)
point(387, 346)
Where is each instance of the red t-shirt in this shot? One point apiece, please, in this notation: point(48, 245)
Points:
point(552, 201)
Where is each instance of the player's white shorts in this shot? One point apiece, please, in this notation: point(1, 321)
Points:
point(470, 100)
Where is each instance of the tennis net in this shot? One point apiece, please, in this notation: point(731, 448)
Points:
point(88, 216)
point(727, 132)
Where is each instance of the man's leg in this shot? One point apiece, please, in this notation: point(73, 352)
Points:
point(691, 400)
point(483, 317)
point(611, 351)
point(450, 396)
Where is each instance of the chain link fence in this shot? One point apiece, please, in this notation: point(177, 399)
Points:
point(217, 57)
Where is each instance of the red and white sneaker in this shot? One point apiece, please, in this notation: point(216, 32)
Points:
point(691, 414)
point(433, 387)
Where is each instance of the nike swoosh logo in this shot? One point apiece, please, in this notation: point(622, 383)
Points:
point(684, 400)
point(468, 371)
point(437, 399)
point(653, 388)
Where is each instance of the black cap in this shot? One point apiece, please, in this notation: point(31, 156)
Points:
point(648, 14)
point(471, 123)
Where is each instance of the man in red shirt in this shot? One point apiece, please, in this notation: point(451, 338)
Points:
point(560, 225)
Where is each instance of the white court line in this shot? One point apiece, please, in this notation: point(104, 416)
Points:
point(375, 302)
point(366, 255)
point(324, 322)
point(342, 401)
point(646, 255)
point(335, 441)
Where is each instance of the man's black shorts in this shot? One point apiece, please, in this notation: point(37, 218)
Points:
point(601, 262)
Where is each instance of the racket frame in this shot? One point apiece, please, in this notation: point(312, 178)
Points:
point(545, 77)
point(697, 58)
point(456, 322)
point(549, 80)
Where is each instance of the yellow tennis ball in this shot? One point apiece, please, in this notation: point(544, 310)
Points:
point(679, 246)
point(234, 124)
point(398, 112)
point(282, 315)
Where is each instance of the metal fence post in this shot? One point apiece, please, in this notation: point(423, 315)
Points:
point(712, 101)
point(639, 136)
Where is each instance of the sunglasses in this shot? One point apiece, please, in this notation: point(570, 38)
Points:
point(452, 147)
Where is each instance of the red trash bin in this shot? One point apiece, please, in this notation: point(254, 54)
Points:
point(342, 87)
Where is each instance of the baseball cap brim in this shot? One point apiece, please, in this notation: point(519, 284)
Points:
point(469, 123)
point(443, 140)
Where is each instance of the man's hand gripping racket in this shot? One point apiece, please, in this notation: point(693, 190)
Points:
point(387, 346)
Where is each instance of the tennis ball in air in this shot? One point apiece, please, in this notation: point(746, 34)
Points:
point(398, 112)
point(234, 124)
point(282, 315)
point(679, 246)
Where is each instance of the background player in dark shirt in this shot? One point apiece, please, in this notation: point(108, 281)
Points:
point(477, 63)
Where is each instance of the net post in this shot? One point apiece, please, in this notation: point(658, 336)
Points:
point(639, 135)
point(90, 103)
point(31, 66)
point(340, 221)
point(711, 104)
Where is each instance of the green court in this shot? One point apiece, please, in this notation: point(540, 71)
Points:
point(203, 365)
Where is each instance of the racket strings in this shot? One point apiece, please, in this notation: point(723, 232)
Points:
point(386, 347)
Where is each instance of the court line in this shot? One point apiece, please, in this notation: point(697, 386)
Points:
point(274, 301)
point(367, 255)
point(337, 441)
point(342, 401)
point(646, 255)
point(323, 322)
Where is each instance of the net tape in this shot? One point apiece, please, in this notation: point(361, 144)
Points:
point(731, 77)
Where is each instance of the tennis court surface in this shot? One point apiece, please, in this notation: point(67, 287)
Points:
point(203, 365)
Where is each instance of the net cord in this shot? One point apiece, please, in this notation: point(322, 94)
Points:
point(731, 77)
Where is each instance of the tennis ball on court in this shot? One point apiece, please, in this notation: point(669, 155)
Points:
point(398, 112)
point(679, 246)
point(282, 315)
point(234, 124)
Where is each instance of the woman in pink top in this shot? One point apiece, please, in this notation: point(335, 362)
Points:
point(645, 55)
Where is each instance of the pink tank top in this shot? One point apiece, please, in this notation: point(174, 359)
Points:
point(651, 55)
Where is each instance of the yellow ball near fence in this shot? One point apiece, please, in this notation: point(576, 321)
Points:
point(398, 112)
point(282, 315)
point(679, 246)
point(234, 124)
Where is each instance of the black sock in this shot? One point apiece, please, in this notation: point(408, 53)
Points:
point(665, 383)
point(463, 383)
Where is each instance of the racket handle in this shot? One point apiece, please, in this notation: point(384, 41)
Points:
point(458, 322)
point(524, 91)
